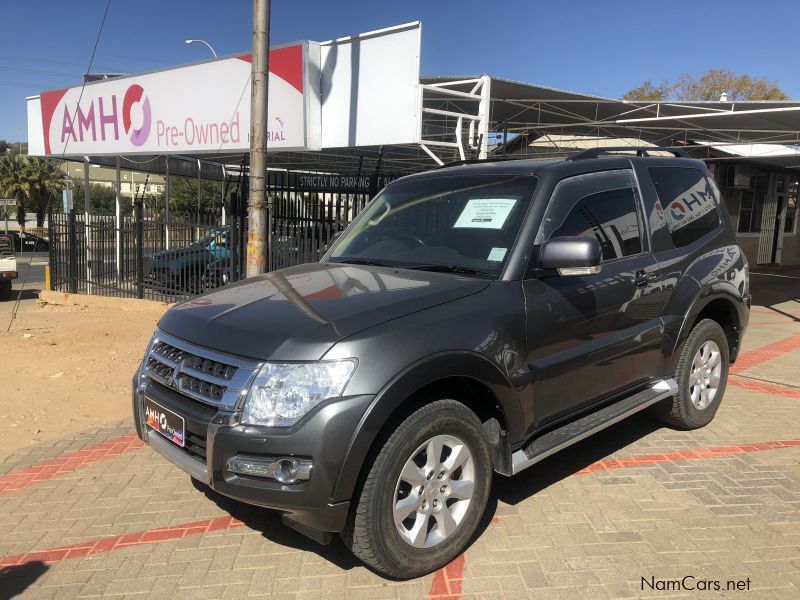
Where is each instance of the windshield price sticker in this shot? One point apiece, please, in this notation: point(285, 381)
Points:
point(497, 254)
point(485, 213)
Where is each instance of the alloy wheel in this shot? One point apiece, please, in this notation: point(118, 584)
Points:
point(705, 375)
point(434, 491)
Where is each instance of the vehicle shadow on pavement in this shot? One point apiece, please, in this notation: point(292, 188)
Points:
point(15, 580)
point(272, 528)
point(269, 524)
point(512, 490)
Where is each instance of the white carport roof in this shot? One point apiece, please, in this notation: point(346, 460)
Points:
point(538, 110)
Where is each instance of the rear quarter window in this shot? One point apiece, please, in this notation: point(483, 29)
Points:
point(689, 201)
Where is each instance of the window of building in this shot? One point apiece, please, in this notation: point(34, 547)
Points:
point(752, 205)
point(599, 205)
point(690, 199)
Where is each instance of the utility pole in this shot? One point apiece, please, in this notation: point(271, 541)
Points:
point(257, 210)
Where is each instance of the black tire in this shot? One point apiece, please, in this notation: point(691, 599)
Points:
point(5, 290)
point(679, 411)
point(371, 533)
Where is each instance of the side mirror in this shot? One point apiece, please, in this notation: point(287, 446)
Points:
point(335, 236)
point(571, 255)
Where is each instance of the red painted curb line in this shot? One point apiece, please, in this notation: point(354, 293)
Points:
point(446, 584)
point(151, 536)
point(775, 389)
point(68, 463)
point(755, 357)
point(696, 454)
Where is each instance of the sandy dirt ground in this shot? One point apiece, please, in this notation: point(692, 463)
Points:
point(67, 368)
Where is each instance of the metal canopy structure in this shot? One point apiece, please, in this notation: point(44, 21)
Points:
point(535, 110)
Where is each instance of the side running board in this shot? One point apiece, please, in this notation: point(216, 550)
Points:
point(575, 431)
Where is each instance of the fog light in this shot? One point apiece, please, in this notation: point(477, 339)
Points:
point(284, 470)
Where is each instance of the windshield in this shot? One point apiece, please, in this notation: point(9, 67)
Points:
point(463, 224)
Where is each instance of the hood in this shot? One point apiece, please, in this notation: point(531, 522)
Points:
point(300, 312)
point(166, 255)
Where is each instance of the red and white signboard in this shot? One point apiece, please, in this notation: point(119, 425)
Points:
point(361, 90)
point(200, 108)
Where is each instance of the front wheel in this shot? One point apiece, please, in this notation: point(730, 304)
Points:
point(424, 494)
point(702, 375)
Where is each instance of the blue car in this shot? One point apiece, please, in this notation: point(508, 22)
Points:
point(182, 269)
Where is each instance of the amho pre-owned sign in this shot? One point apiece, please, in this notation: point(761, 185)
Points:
point(203, 107)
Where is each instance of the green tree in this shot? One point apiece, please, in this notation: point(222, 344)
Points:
point(14, 182)
point(709, 87)
point(102, 199)
point(183, 196)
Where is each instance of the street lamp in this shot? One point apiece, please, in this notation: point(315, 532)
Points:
point(190, 42)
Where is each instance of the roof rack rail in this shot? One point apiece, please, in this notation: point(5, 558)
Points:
point(473, 161)
point(640, 151)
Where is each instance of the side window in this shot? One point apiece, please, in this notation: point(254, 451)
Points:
point(689, 199)
point(599, 205)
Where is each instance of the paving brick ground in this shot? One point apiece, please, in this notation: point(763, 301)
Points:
point(100, 515)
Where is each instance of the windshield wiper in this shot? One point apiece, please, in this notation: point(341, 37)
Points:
point(362, 261)
point(451, 269)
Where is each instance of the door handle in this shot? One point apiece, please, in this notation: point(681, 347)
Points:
point(642, 278)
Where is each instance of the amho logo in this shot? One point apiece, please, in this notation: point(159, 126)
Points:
point(681, 211)
point(134, 95)
point(85, 122)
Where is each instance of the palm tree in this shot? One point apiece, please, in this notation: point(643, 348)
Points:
point(14, 182)
point(34, 182)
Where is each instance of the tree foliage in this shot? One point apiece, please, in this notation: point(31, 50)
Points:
point(33, 182)
point(649, 92)
point(709, 87)
point(102, 199)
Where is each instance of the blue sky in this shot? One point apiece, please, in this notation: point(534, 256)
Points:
point(596, 46)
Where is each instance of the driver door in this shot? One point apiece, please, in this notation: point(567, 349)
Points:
point(590, 337)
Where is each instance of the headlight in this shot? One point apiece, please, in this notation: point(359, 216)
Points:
point(283, 392)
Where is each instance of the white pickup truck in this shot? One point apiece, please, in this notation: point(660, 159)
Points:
point(8, 267)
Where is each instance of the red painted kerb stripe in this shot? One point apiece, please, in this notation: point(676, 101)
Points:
point(68, 463)
point(755, 357)
point(151, 536)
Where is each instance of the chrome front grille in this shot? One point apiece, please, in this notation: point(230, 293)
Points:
point(203, 375)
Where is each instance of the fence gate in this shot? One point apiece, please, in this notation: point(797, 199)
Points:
point(160, 255)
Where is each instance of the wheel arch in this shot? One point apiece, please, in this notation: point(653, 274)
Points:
point(463, 376)
point(719, 305)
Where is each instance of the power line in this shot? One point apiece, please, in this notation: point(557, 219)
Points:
point(63, 153)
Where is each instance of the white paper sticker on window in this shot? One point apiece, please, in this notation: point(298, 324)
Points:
point(485, 213)
point(497, 254)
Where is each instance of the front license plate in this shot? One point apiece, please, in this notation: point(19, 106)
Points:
point(165, 422)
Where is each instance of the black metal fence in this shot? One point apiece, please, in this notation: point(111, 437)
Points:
point(166, 258)
point(169, 257)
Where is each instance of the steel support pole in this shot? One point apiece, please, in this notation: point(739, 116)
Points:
point(484, 114)
point(166, 203)
point(118, 221)
point(222, 194)
point(197, 219)
point(258, 210)
point(86, 229)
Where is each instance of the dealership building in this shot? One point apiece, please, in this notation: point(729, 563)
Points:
point(354, 112)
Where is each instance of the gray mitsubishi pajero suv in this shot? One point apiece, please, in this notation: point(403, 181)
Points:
point(472, 320)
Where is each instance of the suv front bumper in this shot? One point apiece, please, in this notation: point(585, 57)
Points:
point(322, 437)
